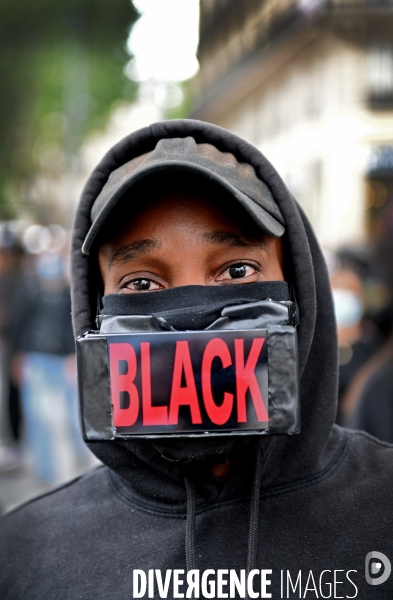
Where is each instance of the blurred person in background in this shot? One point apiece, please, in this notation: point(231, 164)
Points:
point(11, 254)
point(358, 337)
point(369, 400)
point(371, 397)
point(45, 367)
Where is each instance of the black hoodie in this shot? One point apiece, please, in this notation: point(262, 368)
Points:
point(322, 500)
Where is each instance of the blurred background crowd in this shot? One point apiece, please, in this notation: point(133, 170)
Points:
point(309, 82)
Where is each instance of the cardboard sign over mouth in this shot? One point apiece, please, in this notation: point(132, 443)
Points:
point(188, 383)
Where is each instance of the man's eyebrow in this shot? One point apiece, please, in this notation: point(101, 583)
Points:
point(130, 251)
point(226, 238)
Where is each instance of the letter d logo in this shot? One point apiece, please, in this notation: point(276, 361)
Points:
point(375, 567)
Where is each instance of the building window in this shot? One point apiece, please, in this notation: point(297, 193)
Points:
point(380, 76)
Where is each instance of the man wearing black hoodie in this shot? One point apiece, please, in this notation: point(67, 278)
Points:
point(184, 212)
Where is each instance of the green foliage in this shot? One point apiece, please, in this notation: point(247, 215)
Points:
point(61, 68)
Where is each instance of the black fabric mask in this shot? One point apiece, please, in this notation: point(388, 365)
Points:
point(194, 307)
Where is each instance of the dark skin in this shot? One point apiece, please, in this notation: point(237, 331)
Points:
point(180, 239)
point(183, 240)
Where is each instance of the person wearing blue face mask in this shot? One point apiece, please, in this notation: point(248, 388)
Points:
point(358, 339)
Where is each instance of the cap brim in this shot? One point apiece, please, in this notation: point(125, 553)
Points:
point(107, 203)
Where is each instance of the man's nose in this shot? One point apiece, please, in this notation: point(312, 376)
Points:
point(189, 268)
point(190, 275)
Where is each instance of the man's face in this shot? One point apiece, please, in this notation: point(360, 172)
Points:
point(180, 240)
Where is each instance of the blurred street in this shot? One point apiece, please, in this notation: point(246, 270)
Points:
point(309, 83)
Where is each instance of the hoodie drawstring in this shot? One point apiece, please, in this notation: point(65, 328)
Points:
point(254, 512)
point(254, 515)
point(190, 524)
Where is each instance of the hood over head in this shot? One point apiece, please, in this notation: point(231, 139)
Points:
point(290, 457)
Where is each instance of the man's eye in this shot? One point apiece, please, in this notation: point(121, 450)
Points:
point(238, 271)
point(142, 285)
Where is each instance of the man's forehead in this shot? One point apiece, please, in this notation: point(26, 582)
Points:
point(226, 222)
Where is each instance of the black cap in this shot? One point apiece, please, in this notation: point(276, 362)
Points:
point(184, 155)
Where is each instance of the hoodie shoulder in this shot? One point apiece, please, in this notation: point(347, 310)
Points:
point(368, 468)
point(366, 446)
point(55, 496)
point(43, 519)
point(39, 539)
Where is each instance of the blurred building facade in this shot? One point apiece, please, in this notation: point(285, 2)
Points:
point(310, 83)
